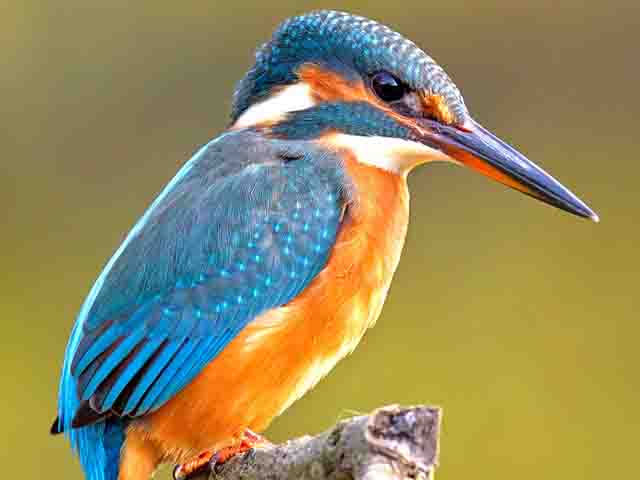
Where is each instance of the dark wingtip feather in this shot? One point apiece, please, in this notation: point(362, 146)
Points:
point(86, 415)
point(56, 428)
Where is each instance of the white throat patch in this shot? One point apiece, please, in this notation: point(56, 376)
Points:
point(392, 154)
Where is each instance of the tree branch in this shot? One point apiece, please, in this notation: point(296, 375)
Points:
point(392, 443)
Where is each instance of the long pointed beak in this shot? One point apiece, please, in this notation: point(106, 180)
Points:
point(474, 146)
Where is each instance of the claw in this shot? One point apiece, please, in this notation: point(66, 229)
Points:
point(193, 467)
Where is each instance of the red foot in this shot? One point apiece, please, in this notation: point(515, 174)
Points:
point(207, 461)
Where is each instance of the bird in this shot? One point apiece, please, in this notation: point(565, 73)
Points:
point(267, 257)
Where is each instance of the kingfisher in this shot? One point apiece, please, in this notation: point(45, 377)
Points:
point(268, 256)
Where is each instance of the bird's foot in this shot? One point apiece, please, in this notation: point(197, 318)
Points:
point(250, 441)
point(193, 467)
point(209, 461)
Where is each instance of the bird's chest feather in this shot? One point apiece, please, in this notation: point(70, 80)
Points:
point(329, 318)
point(287, 350)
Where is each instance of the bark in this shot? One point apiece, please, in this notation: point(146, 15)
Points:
point(391, 443)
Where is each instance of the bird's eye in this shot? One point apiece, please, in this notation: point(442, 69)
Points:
point(387, 87)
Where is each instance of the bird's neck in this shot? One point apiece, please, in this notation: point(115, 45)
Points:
point(379, 207)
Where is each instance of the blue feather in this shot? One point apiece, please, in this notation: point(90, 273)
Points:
point(111, 363)
point(183, 356)
point(98, 446)
point(98, 346)
point(165, 356)
point(201, 357)
point(130, 371)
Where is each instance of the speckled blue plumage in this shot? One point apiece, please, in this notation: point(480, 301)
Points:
point(244, 226)
point(349, 45)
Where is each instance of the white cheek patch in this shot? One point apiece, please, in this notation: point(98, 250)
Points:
point(289, 99)
point(392, 154)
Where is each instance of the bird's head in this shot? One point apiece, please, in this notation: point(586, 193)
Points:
point(354, 83)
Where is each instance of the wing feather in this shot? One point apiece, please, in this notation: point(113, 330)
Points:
point(162, 357)
point(239, 231)
point(167, 375)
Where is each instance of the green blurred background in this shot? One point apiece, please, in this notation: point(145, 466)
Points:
point(520, 320)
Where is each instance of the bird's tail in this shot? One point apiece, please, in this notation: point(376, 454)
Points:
point(98, 446)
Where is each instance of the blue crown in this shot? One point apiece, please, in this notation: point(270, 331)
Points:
point(348, 44)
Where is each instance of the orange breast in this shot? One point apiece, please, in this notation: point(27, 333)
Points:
point(283, 353)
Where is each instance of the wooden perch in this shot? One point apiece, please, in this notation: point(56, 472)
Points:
point(392, 443)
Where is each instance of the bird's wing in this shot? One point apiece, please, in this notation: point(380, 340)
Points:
point(241, 229)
